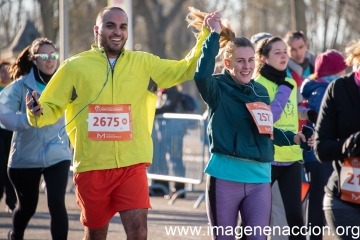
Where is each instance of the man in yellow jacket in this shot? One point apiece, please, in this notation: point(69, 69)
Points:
point(108, 95)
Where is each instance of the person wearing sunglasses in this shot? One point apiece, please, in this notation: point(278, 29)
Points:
point(35, 152)
point(46, 56)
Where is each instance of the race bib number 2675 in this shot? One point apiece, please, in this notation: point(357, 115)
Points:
point(110, 122)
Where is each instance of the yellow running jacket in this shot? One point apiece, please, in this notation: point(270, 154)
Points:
point(87, 78)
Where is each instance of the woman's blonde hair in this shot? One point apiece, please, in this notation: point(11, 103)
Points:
point(352, 53)
point(228, 41)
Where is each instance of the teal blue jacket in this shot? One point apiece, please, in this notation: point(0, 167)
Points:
point(231, 129)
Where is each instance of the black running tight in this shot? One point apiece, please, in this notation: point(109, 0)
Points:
point(26, 183)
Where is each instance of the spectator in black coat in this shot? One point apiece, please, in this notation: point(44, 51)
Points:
point(337, 140)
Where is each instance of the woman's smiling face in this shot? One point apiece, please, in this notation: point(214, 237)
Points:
point(46, 66)
point(241, 65)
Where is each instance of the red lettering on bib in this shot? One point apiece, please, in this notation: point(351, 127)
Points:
point(350, 180)
point(110, 122)
point(262, 116)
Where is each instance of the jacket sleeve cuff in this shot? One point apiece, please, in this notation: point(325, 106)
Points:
point(285, 83)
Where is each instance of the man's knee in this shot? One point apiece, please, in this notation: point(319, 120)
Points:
point(135, 223)
point(137, 234)
point(96, 233)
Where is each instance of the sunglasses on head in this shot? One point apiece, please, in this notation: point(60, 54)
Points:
point(45, 56)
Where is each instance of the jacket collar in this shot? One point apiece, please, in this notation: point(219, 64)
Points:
point(101, 51)
point(297, 68)
point(243, 88)
point(30, 82)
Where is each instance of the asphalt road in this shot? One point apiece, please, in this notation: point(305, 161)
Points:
point(164, 221)
point(160, 218)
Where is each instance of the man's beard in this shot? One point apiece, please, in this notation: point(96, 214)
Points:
point(109, 49)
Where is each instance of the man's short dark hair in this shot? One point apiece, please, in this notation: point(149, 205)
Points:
point(100, 15)
point(291, 35)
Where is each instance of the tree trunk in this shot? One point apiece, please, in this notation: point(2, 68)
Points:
point(298, 13)
point(326, 22)
point(157, 21)
point(50, 23)
point(339, 12)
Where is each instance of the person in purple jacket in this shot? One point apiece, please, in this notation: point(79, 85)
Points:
point(328, 67)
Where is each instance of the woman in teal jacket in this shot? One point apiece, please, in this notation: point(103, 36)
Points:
point(240, 164)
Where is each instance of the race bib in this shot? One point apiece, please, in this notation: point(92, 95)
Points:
point(110, 122)
point(262, 116)
point(350, 180)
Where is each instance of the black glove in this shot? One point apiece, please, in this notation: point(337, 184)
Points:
point(285, 83)
point(312, 115)
point(351, 146)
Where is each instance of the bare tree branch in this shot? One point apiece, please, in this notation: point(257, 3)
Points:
point(326, 22)
point(339, 12)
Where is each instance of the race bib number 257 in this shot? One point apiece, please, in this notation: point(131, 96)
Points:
point(262, 116)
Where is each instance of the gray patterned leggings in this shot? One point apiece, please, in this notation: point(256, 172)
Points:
point(224, 201)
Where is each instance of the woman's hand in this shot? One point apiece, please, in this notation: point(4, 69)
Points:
point(213, 22)
point(301, 137)
point(36, 110)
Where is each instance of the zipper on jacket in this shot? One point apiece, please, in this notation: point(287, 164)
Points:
point(235, 143)
point(255, 133)
point(112, 65)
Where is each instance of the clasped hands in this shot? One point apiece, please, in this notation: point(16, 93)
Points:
point(212, 21)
